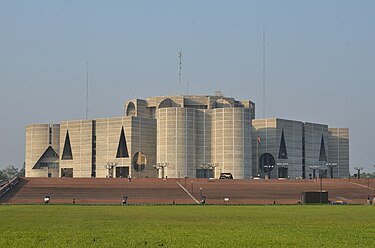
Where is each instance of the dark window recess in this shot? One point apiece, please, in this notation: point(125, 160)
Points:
point(50, 135)
point(122, 172)
point(282, 150)
point(122, 149)
point(205, 173)
point(282, 172)
point(322, 154)
point(303, 153)
point(67, 152)
point(93, 163)
point(66, 172)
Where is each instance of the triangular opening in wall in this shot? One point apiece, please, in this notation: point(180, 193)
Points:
point(49, 157)
point(322, 153)
point(282, 150)
point(67, 151)
point(122, 149)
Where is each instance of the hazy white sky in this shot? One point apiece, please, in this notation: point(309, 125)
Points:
point(320, 60)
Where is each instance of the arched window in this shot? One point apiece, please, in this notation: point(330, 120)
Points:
point(222, 103)
point(130, 110)
point(166, 103)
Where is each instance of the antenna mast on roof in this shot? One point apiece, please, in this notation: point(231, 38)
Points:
point(264, 72)
point(180, 69)
point(87, 89)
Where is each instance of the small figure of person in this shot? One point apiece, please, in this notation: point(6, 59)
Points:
point(124, 200)
point(129, 178)
point(74, 201)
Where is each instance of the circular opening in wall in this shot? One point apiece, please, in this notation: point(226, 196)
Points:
point(139, 161)
point(266, 162)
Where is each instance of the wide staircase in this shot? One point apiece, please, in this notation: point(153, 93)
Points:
point(353, 191)
point(169, 191)
point(96, 191)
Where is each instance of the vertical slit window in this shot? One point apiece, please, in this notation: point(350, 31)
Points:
point(322, 153)
point(122, 149)
point(282, 150)
point(67, 151)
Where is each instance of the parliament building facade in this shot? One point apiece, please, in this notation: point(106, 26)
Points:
point(186, 136)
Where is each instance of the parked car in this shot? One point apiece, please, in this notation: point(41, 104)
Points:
point(226, 176)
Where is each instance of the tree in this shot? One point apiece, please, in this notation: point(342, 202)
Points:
point(21, 173)
point(10, 172)
point(369, 175)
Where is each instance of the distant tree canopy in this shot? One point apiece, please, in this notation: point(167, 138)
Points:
point(369, 175)
point(11, 172)
point(364, 175)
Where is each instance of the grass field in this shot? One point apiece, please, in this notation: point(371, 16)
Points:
point(186, 226)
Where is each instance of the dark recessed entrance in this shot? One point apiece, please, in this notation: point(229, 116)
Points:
point(122, 172)
point(205, 173)
point(282, 172)
point(67, 172)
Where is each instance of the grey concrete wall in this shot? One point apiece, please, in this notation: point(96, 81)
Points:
point(176, 141)
point(80, 133)
point(338, 151)
point(270, 131)
point(266, 130)
point(231, 141)
point(140, 135)
point(37, 142)
point(108, 131)
point(293, 143)
point(203, 149)
point(143, 132)
point(313, 136)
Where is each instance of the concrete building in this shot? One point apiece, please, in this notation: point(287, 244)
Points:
point(42, 150)
point(174, 136)
point(184, 136)
point(278, 142)
point(338, 151)
point(292, 149)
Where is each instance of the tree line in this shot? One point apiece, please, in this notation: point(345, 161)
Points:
point(10, 172)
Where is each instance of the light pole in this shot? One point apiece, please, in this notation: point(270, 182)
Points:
point(314, 168)
point(110, 167)
point(331, 166)
point(161, 166)
point(358, 168)
point(321, 188)
point(368, 182)
point(268, 168)
point(207, 167)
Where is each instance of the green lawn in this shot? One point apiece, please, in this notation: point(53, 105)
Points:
point(186, 226)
